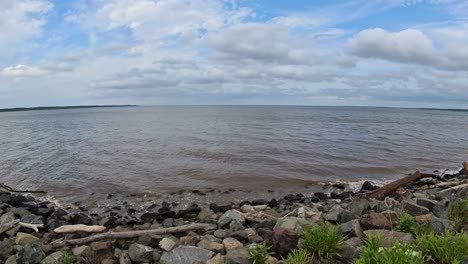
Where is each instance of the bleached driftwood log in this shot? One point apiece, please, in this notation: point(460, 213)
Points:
point(34, 227)
point(133, 234)
point(80, 228)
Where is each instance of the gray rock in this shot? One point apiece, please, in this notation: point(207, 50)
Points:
point(429, 204)
point(231, 244)
point(347, 216)
point(140, 253)
point(23, 239)
point(235, 226)
point(12, 260)
point(168, 243)
point(390, 237)
point(358, 206)
point(291, 223)
point(414, 209)
point(230, 216)
point(124, 258)
point(81, 250)
point(32, 219)
point(334, 215)
point(240, 235)
point(220, 233)
point(440, 225)
point(31, 254)
point(187, 255)
point(6, 248)
point(352, 229)
point(238, 256)
point(168, 222)
point(350, 248)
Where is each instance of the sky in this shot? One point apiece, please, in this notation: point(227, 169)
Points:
point(401, 53)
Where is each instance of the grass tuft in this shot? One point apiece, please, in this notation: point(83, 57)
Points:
point(401, 253)
point(323, 240)
point(259, 253)
point(450, 247)
point(300, 256)
point(457, 212)
point(406, 223)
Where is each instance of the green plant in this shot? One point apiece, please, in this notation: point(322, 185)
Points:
point(259, 253)
point(323, 240)
point(457, 212)
point(406, 223)
point(300, 256)
point(450, 247)
point(424, 229)
point(401, 253)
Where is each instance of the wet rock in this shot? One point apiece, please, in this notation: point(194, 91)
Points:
point(220, 208)
point(187, 255)
point(390, 237)
point(207, 216)
point(293, 197)
point(31, 254)
point(149, 217)
point(23, 239)
point(190, 212)
point(55, 257)
point(81, 218)
point(32, 219)
point(238, 256)
point(140, 253)
point(414, 209)
point(211, 246)
point(368, 186)
point(230, 216)
point(168, 243)
point(5, 198)
point(18, 200)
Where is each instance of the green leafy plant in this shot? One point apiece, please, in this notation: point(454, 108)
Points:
point(67, 258)
point(457, 212)
point(259, 253)
point(401, 253)
point(406, 223)
point(450, 247)
point(323, 240)
point(424, 229)
point(300, 256)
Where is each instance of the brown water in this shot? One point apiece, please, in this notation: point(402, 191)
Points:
point(73, 153)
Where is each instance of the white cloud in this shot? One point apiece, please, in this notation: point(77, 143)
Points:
point(20, 71)
point(408, 46)
point(20, 21)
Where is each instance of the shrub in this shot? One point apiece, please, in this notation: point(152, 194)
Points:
point(406, 223)
point(401, 253)
point(258, 254)
point(323, 240)
point(457, 212)
point(300, 256)
point(451, 247)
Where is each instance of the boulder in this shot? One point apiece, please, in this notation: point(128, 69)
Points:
point(218, 259)
point(350, 248)
point(358, 206)
point(413, 209)
point(309, 214)
point(140, 253)
point(368, 186)
point(187, 255)
point(31, 254)
point(23, 239)
point(334, 214)
point(375, 220)
point(12, 260)
point(352, 229)
point(252, 235)
point(230, 216)
point(191, 239)
point(211, 246)
point(428, 203)
point(6, 248)
point(390, 237)
point(220, 233)
point(81, 251)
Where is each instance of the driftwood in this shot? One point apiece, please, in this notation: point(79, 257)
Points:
point(34, 227)
point(9, 189)
point(80, 228)
point(388, 188)
point(133, 234)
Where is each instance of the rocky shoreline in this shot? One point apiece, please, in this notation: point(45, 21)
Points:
point(230, 230)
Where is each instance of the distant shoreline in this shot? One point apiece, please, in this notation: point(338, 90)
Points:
point(19, 109)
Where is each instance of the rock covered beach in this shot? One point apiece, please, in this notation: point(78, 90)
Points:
point(220, 233)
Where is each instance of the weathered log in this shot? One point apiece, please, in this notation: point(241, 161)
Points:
point(80, 228)
point(388, 188)
point(133, 234)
